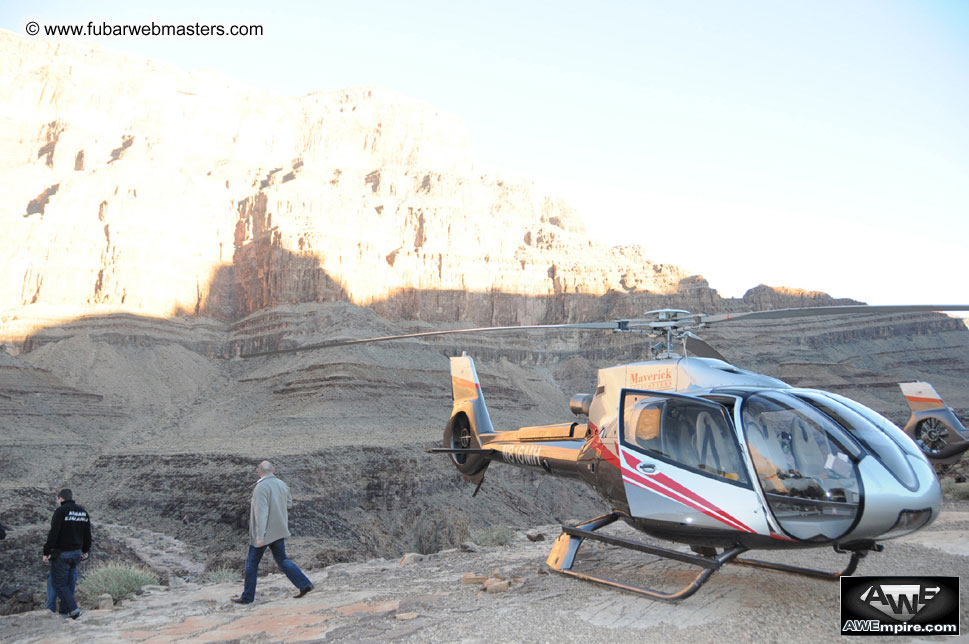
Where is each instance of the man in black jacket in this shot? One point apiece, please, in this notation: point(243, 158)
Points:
point(68, 542)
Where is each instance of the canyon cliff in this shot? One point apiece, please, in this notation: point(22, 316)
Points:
point(132, 186)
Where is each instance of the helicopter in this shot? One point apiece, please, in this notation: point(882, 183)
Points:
point(694, 450)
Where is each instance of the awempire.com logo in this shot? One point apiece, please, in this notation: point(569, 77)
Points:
point(900, 606)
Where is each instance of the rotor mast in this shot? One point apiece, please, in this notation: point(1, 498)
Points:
point(670, 324)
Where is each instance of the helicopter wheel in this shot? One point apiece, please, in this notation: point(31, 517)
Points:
point(932, 435)
point(460, 435)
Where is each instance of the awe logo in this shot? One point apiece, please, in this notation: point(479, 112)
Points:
point(893, 606)
point(901, 601)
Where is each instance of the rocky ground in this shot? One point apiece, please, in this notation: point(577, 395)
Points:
point(427, 599)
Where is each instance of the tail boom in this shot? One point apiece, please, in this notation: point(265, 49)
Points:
point(473, 442)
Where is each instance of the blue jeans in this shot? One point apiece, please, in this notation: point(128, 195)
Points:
point(62, 571)
point(278, 548)
point(52, 596)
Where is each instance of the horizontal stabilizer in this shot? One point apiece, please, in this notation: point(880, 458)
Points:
point(458, 450)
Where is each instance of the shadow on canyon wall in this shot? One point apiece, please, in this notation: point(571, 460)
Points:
point(264, 275)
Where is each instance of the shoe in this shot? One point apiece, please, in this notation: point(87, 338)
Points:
point(240, 600)
point(74, 614)
point(303, 591)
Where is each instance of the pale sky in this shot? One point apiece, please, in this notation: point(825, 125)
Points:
point(822, 145)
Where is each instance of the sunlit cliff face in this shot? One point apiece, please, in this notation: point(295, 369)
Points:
point(133, 186)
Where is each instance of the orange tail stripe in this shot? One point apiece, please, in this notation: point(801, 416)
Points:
point(461, 382)
point(924, 400)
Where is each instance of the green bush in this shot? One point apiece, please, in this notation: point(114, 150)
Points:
point(498, 535)
point(221, 576)
point(118, 580)
point(954, 491)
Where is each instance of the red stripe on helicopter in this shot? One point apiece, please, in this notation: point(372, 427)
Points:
point(677, 487)
point(677, 492)
point(601, 449)
point(648, 484)
point(711, 510)
point(637, 479)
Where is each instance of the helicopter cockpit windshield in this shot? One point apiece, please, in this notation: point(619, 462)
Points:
point(809, 477)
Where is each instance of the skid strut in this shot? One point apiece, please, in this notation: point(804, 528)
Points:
point(567, 546)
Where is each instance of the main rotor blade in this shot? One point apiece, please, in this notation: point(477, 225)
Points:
point(424, 334)
point(831, 310)
point(695, 345)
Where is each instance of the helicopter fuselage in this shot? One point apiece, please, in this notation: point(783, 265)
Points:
point(697, 451)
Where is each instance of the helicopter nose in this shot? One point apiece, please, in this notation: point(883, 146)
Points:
point(893, 509)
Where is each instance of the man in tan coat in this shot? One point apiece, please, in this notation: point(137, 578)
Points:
point(269, 528)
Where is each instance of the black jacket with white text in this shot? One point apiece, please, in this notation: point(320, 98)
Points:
point(70, 529)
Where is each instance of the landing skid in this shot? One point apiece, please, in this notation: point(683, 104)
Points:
point(567, 546)
point(562, 558)
point(856, 556)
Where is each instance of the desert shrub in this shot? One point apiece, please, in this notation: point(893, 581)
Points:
point(118, 580)
point(437, 530)
point(498, 535)
point(221, 576)
point(954, 491)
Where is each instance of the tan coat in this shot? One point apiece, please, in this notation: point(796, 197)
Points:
point(268, 511)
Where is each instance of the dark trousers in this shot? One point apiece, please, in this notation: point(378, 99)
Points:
point(52, 596)
point(278, 548)
point(62, 571)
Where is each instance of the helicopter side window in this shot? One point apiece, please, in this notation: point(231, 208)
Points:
point(642, 416)
point(716, 451)
point(684, 431)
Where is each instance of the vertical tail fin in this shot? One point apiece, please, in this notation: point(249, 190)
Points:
point(921, 396)
point(469, 420)
point(466, 388)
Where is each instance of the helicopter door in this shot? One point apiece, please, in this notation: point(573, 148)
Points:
point(809, 478)
point(681, 463)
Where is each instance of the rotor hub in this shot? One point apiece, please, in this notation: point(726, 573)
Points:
point(464, 439)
